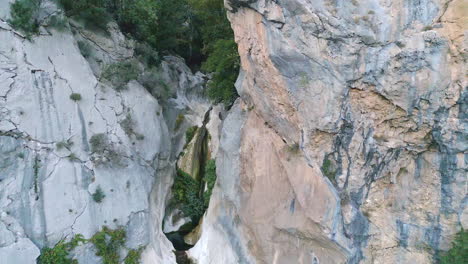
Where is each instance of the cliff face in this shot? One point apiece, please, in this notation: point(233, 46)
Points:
point(57, 150)
point(349, 141)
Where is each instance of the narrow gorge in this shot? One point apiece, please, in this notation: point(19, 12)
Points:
point(314, 132)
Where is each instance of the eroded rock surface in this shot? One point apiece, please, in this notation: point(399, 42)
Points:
point(349, 141)
point(49, 166)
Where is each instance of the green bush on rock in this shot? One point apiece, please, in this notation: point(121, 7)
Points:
point(24, 16)
point(120, 73)
point(107, 243)
point(59, 254)
point(458, 254)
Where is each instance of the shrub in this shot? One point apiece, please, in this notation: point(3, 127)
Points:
point(146, 54)
point(219, 49)
point(98, 195)
point(224, 63)
point(75, 97)
point(190, 133)
point(72, 157)
point(154, 84)
point(458, 254)
point(64, 144)
point(294, 148)
point(24, 15)
point(133, 256)
point(108, 243)
point(209, 178)
point(59, 253)
point(92, 12)
point(186, 192)
point(119, 74)
point(328, 169)
point(180, 119)
point(60, 23)
point(98, 143)
point(85, 48)
point(127, 125)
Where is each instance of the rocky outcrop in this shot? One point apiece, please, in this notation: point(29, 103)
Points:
point(348, 144)
point(56, 149)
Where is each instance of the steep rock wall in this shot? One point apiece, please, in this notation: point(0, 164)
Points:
point(48, 168)
point(349, 141)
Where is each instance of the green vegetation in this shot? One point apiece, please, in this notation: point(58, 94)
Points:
point(98, 143)
point(36, 167)
point(180, 119)
point(85, 48)
point(133, 256)
point(92, 12)
point(458, 254)
point(210, 179)
point(127, 125)
point(328, 169)
point(152, 81)
point(98, 195)
point(107, 243)
point(197, 30)
point(72, 157)
point(219, 49)
point(75, 97)
point(294, 148)
point(24, 15)
point(59, 253)
point(188, 192)
point(60, 23)
point(190, 133)
point(64, 144)
point(119, 74)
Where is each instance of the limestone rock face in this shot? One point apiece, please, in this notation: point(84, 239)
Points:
point(49, 165)
point(349, 141)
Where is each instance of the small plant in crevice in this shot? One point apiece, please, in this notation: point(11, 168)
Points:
point(98, 143)
point(328, 169)
point(72, 157)
point(294, 148)
point(75, 97)
point(36, 167)
point(67, 144)
point(120, 73)
point(426, 28)
point(98, 195)
point(20, 155)
point(180, 119)
point(127, 125)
